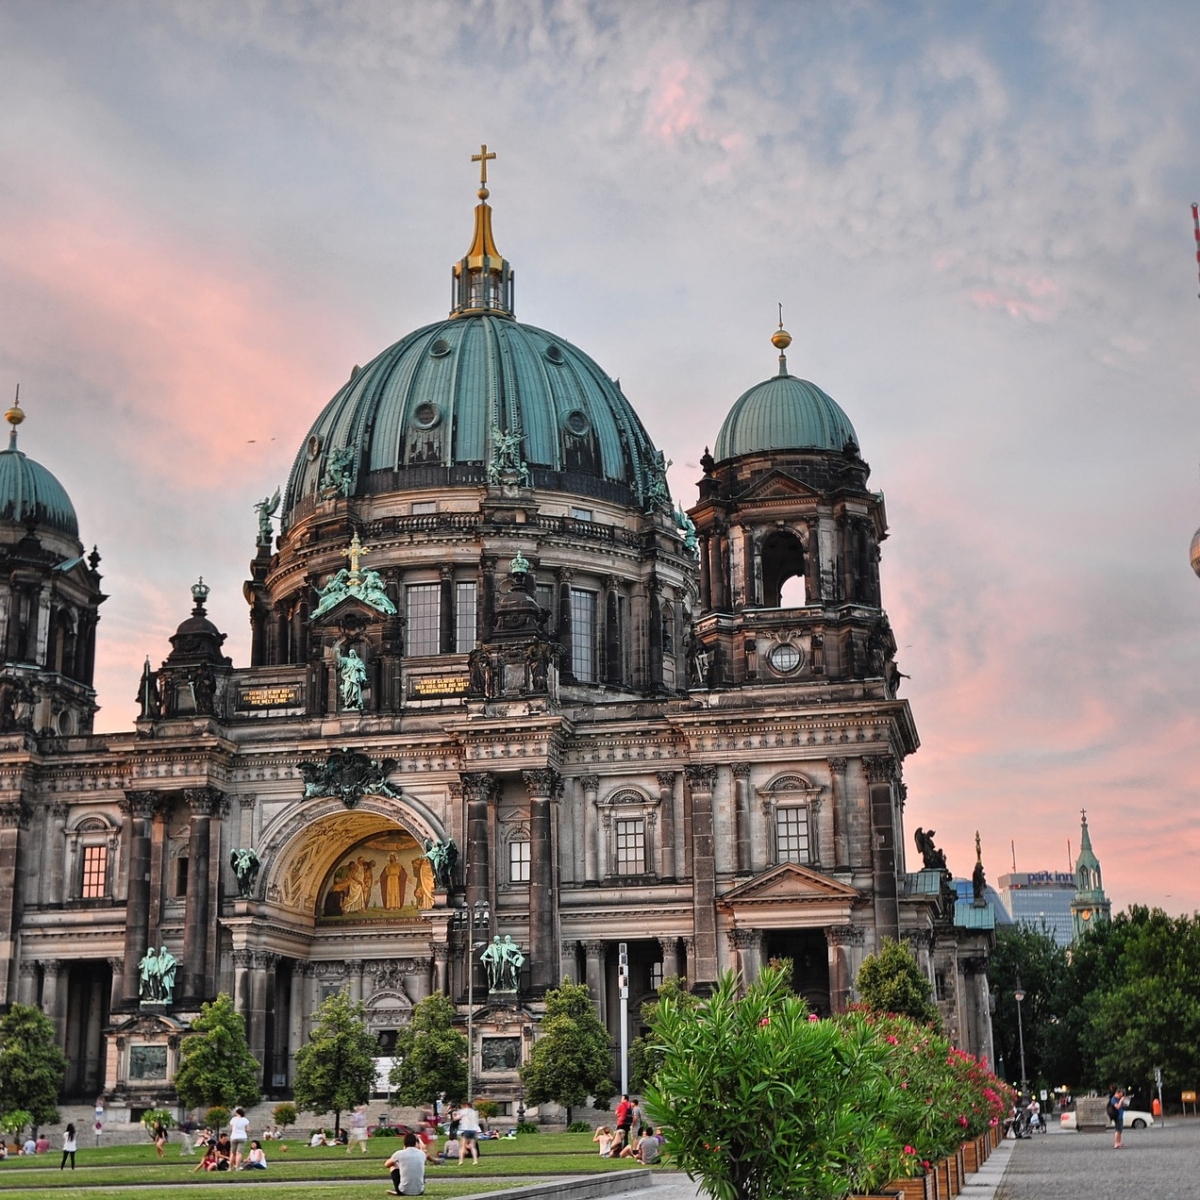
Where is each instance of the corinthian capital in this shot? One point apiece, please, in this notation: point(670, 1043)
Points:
point(478, 785)
point(881, 768)
point(542, 782)
point(203, 801)
point(141, 804)
point(700, 776)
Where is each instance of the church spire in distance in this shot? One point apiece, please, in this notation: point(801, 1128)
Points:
point(1090, 905)
point(483, 279)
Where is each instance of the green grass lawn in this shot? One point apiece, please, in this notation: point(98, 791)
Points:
point(361, 1191)
point(116, 1168)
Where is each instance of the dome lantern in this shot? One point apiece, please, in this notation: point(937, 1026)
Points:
point(482, 281)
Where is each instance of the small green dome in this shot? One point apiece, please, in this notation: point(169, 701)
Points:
point(783, 413)
point(425, 413)
point(28, 492)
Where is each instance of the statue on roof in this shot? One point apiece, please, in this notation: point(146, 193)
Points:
point(978, 878)
point(339, 473)
point(934, 859)
point(506, 464)
point(266, 508)
point(688, 528)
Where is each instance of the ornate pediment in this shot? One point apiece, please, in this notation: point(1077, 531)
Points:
point(790, 883)
point(777, 485)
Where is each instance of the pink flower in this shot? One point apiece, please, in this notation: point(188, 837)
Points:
point(963, 1122)
point(765, 1021)
point(909, 1150)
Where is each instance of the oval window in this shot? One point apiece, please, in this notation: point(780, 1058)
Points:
point(440, 348)
point(576, 423)
point(554, 354)
point(314, 447)
point(785, 657)
point(426, 415)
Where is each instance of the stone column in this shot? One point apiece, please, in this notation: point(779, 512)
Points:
point(840, 939)
point(837, 803)
point(446, 610)
point(139, 809)
point(655, 646)
point(117, 994)
point(745, 947)
point(250, 817)
point(486, 589)
point(716, 568)
point(564, 576)
point(594, 975)
point(14, 817)
point(567, 957)
point(441, 961)
point(54, 998)
point(689, 960)
point(741, 802)
point(93, 1041)
point(705, 575)
point(881, 771)
point(670, 957)
point(27, 984)
point(591, 826)
point(202, 802)
point(354, 971)
point(700, 778)
point(260, 963)
point(612, 632)
point(297, 1002)
point(55, 855)
point(542, 784)
point(479, 788)
point(666, 808)
point(242, 960)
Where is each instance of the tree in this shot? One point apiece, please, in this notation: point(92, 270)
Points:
point(336, 1070)
point(645, 1051)
point(1033, 957)
point(215, 1064)
point(572, 1060)
point(431, 1055)
point(890, 981)
point(31, 1064)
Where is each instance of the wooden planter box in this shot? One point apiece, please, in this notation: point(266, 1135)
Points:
point(955, 1174)
point(985, 1147)
point(942, 1170)
point(922, 1187)
point(971, 1160)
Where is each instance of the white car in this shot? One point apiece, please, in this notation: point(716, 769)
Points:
point(1135, 1118)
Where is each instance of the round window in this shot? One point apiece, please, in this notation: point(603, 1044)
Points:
point(426, 415)
point(554, 354)
point(576, 423)
point(785, 657)
point(314, 448)
point(440, 348)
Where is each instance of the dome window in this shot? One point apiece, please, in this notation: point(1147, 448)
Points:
point(427, 415)
point(554, 355)
point(313, 448)
point(439, 349)
point(576, 423)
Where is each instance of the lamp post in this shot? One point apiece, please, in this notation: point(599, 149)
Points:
point(467, 918)
point(1018, 996)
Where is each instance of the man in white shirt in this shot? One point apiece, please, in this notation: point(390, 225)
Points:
point(468, 1133)
point(239, 1130)
point(407, 1168)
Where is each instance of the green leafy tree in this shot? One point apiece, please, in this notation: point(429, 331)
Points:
point(572, 1060)
point(215, 1064)
point(285, 1115)
point(336, 1069)
point(1033, 957)
point(31, 1065)
point(759, 1103)
point(645, 1054)
point(431, 1055)
point(891, 981)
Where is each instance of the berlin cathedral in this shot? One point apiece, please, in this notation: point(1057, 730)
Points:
point(500, 686)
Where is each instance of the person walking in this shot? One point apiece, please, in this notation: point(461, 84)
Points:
point(239, 1130)
point(69, 1146)
point(358, 1128)
point(187, 1133)
point(160, 1138)
point(468, 1133)
point(1118, 1102)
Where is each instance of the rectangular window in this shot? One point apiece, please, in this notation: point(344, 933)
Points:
point(464, 617)
point(181, 876)
point(631, 847)
point(583, 635)
point(518, 862)
point(581, 514)
point(424, 618)
point(424, 506)
point(95, 871)
point(791, 835)
point(656, 976)
point(545, 597)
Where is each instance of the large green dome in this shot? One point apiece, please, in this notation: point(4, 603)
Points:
point(427, 411)
point(28, 492)
point(783, 413)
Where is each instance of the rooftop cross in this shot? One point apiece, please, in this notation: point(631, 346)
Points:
point(354, 552)
point(483, 158)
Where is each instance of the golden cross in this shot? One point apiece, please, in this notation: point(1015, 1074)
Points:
point(355, 551)
point(482, 158)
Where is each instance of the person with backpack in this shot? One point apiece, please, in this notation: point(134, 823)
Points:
point(1118, 1102)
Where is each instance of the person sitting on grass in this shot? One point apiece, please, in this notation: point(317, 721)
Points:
point(256, 1160)
point(209, 1161)
point(450, 1150)
point(618, 1144)
point(224, 1153)
point(407, 1168)
point(604, 1136)
point(646, 1151)
point(318, 1138)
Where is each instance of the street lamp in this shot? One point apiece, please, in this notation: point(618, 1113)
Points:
point(1018, 996)
point(467, 918)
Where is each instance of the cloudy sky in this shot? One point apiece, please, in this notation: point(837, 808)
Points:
point(976, 216)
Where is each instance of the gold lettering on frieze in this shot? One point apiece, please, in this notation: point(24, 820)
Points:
point(440, 685)
point(270, 697)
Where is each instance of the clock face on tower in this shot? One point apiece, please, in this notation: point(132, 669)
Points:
point(1086, 915)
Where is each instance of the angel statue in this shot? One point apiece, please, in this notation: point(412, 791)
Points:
point(266, 508)
point(443, 857)
point(245, 864)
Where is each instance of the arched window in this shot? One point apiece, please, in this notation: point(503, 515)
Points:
point(782, 558)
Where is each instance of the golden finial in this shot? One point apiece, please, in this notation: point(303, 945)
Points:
point(15, 415)
point(483, 158)
point(781, 339)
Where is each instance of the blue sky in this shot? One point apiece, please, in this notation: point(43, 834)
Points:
point(976, 217)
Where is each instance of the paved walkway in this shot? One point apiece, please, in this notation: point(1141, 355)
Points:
point(1162, 1163)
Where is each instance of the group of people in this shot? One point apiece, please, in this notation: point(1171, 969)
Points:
point(223, 1151)
point(632, 1138)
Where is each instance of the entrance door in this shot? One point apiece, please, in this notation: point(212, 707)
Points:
point(810, 964)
